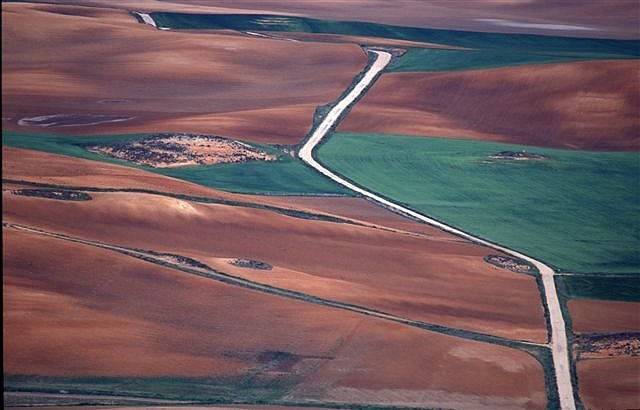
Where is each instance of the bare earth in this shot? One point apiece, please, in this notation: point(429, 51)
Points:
point(370, 41)
point(607, 19)
point(605, 316)
point(437, 281)
point(175, 150)
point(65, 314)
point(70, 281)
point(191, 407)
point(596, 346)
point(586, 105)
point(162, 81)
point(610, 383)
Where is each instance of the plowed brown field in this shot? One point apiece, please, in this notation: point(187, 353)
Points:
point(21, 164)
point(79, 310)
point(222, 84)
point(585, 105)
point(432, 278)
point(610, 19)
point(605, 316)
point(610, 383)
point(343, 38)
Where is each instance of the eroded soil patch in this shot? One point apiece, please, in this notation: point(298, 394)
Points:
point(60, 194)
point(512, 264)
point(175, 150)
point(251, 264)
point(70, 120)
point(516, 156)
point(592, 346)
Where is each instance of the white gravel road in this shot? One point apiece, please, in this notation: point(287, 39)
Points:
point(558, 341)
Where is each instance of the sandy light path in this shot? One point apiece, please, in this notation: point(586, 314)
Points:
point(558, 341)
point(146, 18)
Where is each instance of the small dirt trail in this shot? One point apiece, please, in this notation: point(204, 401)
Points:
point(558, 342)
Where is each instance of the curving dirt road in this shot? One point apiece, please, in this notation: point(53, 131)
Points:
point(558, 342)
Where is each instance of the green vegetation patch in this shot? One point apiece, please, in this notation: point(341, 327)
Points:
point(247, 388)
point(578, 211)
point(486, 50)
point(565, 46)
point(428, 59)
point(622, 288)
point(286, 175)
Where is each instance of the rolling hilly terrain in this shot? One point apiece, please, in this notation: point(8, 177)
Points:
point(358, 204)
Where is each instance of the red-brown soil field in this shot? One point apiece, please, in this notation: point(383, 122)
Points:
point(343, 38)
point(305, 309)
point(423, 278)
point(204, 407)
point(437, 277)
point(65, 314)
point(610, 19)
point(359, 209)
point(582, 105)
point(604, 316)
point(165, 81)
point(610, 383)
point(607, 19)
point(47, 168)
point(42, 167)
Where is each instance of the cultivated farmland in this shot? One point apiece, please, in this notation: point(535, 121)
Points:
point(211, 83)
point(280, 175)
point(608, 383)
point(549, 209)
point(581, 105)
point(613, 19)
point(549, 45)
point(306, 257)
point(171, 237)
point(65, 280)
point(603, 316)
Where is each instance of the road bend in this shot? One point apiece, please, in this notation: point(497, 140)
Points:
point(558, 340)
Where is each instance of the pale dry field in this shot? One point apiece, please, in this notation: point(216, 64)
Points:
point(585, 105)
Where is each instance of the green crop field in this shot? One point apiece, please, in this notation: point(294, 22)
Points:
point(430, 59)
point(623, 288)
point(575, 210)
point(286, 176)
point(245, 388)
point(486, 50)
point(508, 43)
